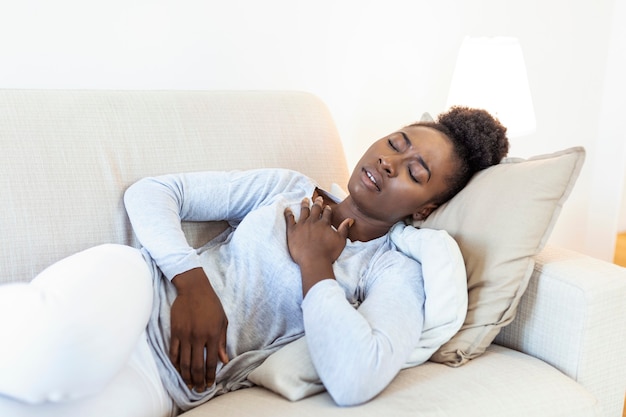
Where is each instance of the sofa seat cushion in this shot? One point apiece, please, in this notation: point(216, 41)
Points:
point(502, 382)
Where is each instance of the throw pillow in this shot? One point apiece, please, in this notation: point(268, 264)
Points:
point(500, 220)
point(289, 372)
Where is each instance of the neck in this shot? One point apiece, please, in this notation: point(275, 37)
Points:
point(364, 228)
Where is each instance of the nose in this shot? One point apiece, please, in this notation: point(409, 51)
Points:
point(388, 164)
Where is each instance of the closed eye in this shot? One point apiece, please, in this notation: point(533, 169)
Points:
point(396, 148)
point(398, 144)
point(414, 177)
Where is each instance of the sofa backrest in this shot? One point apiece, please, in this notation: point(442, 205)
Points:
point(68, 156)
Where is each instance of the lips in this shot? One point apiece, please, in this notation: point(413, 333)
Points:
point(370, 180)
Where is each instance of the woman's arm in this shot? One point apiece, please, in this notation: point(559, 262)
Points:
point(355, 352)
point(156, 207)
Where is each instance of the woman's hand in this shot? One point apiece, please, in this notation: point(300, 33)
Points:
point(313, 244)
point(198, 324)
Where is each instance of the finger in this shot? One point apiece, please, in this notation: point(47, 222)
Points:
point(221, 353)
point(316, 210)
point(344, 227)
point(304, 209)
point(174, 353)
point(327, 214)
point(290, 219)
point(185, 363)
point(211, 363)
point(198, 368)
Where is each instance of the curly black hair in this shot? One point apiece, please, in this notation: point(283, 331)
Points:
point(479, 142)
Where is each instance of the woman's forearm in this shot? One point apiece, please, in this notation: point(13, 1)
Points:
point(355, 359)
point(314, 272)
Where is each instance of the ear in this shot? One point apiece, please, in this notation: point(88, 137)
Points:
point(424, 211)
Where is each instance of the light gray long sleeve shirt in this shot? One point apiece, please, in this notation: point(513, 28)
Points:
point(360, 328)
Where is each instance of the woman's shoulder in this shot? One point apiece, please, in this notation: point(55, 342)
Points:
point(278, 174)
point(392, 258)
point(388, 261)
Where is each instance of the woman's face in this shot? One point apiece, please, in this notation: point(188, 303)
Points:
point(401, 174)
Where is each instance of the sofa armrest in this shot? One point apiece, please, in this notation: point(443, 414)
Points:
point(573, 316)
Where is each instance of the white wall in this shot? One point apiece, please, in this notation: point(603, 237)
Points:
point(378, 65)
point(621, 221)
point(607, 175)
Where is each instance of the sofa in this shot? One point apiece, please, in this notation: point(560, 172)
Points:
point(555, 349)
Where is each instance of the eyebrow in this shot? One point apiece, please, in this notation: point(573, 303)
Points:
point(419, 157)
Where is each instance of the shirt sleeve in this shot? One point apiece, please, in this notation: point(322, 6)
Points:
point(357, 352)
point(156, 206)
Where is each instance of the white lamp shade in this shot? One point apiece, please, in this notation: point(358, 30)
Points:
point(490, 74)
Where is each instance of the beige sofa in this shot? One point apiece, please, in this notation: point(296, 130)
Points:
point(67, 157)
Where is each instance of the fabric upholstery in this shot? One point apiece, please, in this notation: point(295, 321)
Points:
point(502, 382)
point(67, 156)
point(567, 318)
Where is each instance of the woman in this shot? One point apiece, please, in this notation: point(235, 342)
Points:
point(283, 268)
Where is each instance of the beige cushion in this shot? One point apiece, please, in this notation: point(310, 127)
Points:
point(501, 220)
point(289, 372)
point(502, 382)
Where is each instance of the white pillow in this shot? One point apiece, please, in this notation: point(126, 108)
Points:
point(445, 285)
point(289, 372)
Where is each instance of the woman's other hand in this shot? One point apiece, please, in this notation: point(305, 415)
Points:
point(198, 324)
point(313, 244)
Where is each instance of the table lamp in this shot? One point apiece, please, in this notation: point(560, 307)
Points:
point(490, 74)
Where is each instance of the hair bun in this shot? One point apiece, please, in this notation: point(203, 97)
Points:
point(480, 136)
